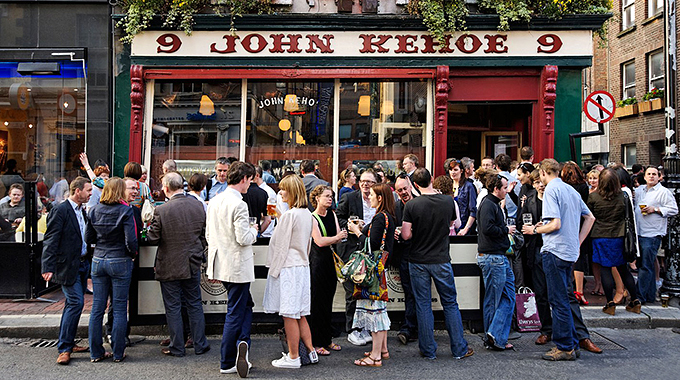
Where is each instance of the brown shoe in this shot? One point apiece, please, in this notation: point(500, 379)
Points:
point(189, 343)
point(609, 308)
point(78, 348)
point(64, 358)
point(558, 355)
point(543, 339)
point(588, 345)
point(165, 342)
point(634, 306)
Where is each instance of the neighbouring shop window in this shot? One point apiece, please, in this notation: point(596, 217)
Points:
point(655, 7)
point(628, 80)
point(289, 121)
point(656, 70)
point(629, 154)
point(627, 14)
point(382, 121)
point(42, 126)
point(194, 123)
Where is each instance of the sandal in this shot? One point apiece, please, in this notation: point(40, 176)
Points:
point(334, 347)
point(321, 351)
point(580, 299)
point(364, 363)
point(107, 355)
point(120, 360)
point(384, 355)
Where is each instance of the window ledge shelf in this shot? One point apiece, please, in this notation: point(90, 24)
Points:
point(626, 31)
point(652, 18)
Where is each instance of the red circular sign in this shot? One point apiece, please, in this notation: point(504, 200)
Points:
point(599, 106)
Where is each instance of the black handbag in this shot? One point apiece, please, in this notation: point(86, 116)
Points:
point(630, 249)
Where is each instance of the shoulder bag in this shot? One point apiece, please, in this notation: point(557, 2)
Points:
point(630, 252)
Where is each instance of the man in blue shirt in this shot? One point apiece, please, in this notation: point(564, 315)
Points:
point(267, 176)
point(218, 183)
point(562, 211)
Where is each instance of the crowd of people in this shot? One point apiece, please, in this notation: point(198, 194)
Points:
point(537, 225)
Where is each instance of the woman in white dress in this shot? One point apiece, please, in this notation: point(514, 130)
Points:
point(288, 290)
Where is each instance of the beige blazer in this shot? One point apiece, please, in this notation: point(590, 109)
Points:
point(230, 239)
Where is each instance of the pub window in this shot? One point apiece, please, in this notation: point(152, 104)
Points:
point(627, 14)
point(629, 153)
point(654, 7)
point(655, 69)
point(288, 121)
point(194, 122)
point(381, 121)
point(628, 80)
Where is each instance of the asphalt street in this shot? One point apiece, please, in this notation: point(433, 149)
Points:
point(629, 354)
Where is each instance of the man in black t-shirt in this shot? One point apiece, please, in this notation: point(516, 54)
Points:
point(426, 222)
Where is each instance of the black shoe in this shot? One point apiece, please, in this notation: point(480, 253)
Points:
point(514, 335)
point(204, 351)
point(403, 337)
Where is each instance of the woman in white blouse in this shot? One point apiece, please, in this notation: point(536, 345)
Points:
point(288, 289)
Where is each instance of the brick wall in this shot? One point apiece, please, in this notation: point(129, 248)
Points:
point(633, 44)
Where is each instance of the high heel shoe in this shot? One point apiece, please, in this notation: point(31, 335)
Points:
point(610, 308)
point(580, 299)
point(634, 306)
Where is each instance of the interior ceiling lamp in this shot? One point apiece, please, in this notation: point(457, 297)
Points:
point(290, 103)
point(207, 107)
point(364, 105)
point(299, 139)
point(284, 124)
point(387, 107)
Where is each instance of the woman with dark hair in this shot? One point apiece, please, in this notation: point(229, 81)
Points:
point(325, 232)
point(134, 170)
point(608, 205)
point(524, 171)
point(348, 178)
point(444, 184)
point(111, 227)
point(465, 194)
point(371, 310)
point(196, 184)
point(626, 187)
point(572, 174)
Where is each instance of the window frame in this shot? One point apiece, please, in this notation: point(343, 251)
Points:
point(624, 85)
point(653, 11)
point(625, 6)
point(651, 78)
point(624, 154)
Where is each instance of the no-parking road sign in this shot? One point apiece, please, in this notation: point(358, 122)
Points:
point(599, 106)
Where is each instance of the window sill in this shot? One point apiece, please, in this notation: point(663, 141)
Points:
point(626, 31)
point(652, 18)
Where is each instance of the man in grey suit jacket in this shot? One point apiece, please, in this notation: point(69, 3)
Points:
point(309, 179)
point(178, 227)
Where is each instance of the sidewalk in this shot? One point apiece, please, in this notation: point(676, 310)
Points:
point(35, 319)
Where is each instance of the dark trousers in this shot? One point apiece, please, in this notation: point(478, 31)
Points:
point(237, 323)
point(174, 294)
point(410, 325)
point(350, 305)
point(323, 280)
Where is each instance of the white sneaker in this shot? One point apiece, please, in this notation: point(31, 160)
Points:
point(242, 363)
point(356, 338)
point(366, 336)
point(313, 357)
point(286, 362)
point(233, 369)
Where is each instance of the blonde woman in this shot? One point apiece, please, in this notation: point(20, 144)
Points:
point(288, 289)
point(348, 178)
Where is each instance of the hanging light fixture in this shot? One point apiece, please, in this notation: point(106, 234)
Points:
point(284, 124)
point(364, 105)
point(290, 103)
point(387, 107)
point(207, 107)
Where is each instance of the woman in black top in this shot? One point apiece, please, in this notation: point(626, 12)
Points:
point(322, 268)
point(371, 310)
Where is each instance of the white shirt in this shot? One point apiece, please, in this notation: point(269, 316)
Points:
point(81, 223)
point(369, 212)
point(652, 225)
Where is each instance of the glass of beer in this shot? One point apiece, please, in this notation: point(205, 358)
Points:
point(353, 219)
point(642, 207)
point(271, 207)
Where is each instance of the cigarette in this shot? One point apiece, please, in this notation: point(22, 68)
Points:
point(47, 284)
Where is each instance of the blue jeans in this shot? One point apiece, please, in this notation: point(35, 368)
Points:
point(649, 247)
point(109, 273)
point(175, 293)
point(237, 323)
point(499, 296)
point(558, 278)
point(410, 325)
point(73, 308)
point(422, 276)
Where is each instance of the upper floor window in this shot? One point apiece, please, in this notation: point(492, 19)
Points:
point(654, 7)
point(656, 72)
point(627, 14)
point(628, 80)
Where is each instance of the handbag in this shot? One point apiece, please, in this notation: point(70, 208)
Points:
point(302, 349)
point(630, 251)
point(337, 261)
point(377, 291)
point(360, 268)
point(527, 312)
point(516, 242)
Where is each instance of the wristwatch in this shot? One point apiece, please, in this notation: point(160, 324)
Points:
point(535, 232)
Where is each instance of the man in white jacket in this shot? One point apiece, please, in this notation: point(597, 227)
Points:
point(231, 260)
